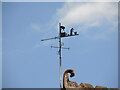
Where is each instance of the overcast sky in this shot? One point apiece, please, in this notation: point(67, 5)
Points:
point(30, 63)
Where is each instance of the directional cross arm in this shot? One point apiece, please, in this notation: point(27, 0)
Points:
point(59, 47)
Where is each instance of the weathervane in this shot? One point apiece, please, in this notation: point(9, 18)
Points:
point(61, 35)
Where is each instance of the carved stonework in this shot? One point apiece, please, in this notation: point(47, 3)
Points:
point(70, 85)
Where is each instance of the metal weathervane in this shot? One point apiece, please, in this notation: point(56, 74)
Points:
point(61, 35)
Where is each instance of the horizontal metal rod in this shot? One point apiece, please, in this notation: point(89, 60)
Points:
point(50, 38)
point(57, 37)
point(59, 47)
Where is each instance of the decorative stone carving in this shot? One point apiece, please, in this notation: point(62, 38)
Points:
point(70, 85)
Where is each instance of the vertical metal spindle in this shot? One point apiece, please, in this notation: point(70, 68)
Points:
point(60, 55)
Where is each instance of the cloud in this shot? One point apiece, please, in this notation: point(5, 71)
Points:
point(92, 20)
point(35, 27)
point(89, 15)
